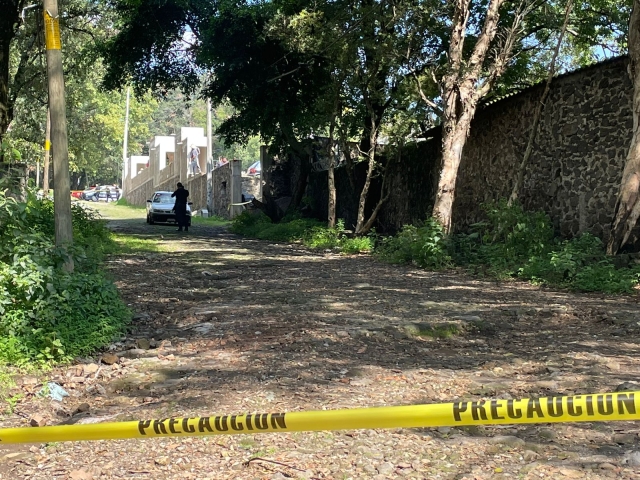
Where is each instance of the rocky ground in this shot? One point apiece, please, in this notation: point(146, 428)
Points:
point(229, 325)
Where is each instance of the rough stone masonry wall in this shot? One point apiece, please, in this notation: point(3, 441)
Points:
point(573, 174)
point(578, 158)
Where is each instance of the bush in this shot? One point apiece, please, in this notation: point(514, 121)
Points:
point(425, 246)
point(293, 228)
point(46, 313)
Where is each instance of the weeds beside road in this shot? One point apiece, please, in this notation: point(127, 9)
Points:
point(225, 324)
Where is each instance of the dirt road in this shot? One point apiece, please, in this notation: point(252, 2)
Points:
point(229, 325)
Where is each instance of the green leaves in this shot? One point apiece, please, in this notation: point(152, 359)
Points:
point(47, 314)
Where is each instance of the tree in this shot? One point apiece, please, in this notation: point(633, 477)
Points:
point(471, 73)
point(627, 208)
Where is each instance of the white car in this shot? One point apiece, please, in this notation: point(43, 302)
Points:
point(160, 209)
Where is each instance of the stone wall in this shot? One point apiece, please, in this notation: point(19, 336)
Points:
point(573, 174)
point(222, 190)
point(140, 195)
point(578, 158)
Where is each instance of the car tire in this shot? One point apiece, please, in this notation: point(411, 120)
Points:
point(94, 199)
point(147, 218)
point(151, 222)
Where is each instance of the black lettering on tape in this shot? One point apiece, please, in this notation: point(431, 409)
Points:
point(458, 408)
point(511, 413)
point(277, 420)
point(187, 427)
point(626, 400)
point(203, 424)
point(143, 425)
point(248, 420)
point(262, 421)
point(589, 399)
point(534, 406)
point(495, 405)
point(172, 425)
point(159, 427)
point(605, 404)
point(221, 423)
point(235, 425)
point(478, 411)
point(554, 406)
point(574, 411)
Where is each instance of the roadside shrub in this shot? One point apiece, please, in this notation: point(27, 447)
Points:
point(293, 228)
point(425, 246)
point(46, 313)
point(511, 236)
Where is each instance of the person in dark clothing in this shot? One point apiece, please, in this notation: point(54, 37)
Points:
point(180, 207)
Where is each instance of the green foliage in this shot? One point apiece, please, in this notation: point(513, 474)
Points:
point(513, 243)
point(311, 233)
point(425, 246)
point(46, 313)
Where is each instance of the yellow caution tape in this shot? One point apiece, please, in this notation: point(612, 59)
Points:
point(578, 408)
point(47, 145)
point(51, 32)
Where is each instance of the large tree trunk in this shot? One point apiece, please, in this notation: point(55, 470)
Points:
point(628, 205)
point(459, 109)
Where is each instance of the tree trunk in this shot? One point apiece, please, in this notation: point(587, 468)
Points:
point(47, 153)
point(452, 145)
point(331, 179)
point(627, 208)
point(61, 183)
point(371, 157)
point(458, 112)
point(5, 108)
point(332, 196)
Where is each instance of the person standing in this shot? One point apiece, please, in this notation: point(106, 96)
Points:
point(180, 207)
point(194, 156)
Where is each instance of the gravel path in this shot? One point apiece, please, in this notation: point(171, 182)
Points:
point(230, 325)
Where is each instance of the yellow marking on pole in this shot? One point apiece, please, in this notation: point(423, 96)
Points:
point(52, 32)
point(598, 407)
point(47, 145)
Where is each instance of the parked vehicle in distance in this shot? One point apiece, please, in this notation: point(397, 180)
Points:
point(89, 193)
point(101, 196)
point(77, 194)
point(254, 169)
point(160, 209)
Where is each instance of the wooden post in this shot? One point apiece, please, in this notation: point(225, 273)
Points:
point(125, 142)
point(55, 76)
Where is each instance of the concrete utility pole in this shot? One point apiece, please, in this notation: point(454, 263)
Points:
point(47, 153)
point(125, 142)
point(55, 76)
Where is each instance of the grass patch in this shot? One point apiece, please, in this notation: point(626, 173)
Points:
point(129, 244)
point(214, 220)
point(440, 331)
point(124, 203)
